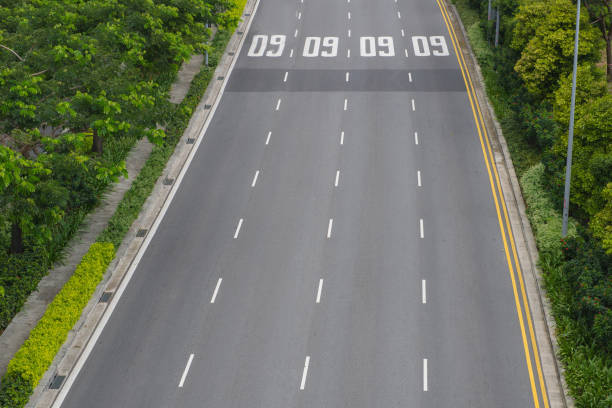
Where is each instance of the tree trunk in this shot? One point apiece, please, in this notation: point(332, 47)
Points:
point(96, 146)
point(609, 55)
point(16, 239)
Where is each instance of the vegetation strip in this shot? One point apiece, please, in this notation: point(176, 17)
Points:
point(32, 360)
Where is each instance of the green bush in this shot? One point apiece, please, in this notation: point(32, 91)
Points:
point(34, 357)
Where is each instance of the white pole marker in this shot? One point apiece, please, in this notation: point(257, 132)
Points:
point(184, 376)
point(255, 178)
point(421, 226)
point(329, 227)
point(214, 296)
point(419, 178)
point(337, 178)
point(423, 291)
point(319, 290)
point(305, 372)
point(238, 228)
point(425, 387)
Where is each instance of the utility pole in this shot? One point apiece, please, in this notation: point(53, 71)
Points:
point(497, 28)
point(489, 17)
point(570, 139)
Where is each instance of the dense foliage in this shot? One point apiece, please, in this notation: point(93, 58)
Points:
point(528, 79)
point(80, 82)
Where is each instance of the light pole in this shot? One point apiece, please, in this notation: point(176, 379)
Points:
point(570, 139)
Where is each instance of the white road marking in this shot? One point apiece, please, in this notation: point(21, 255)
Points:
point(319, 290)
point(342, 137)
point(399, 15)
point(291, 53)
point(413, 104)
point(299, 15)
point(185, 371)
point(403, 33)
point(349, 15)
point(418, 177)
point(423, 291)
point(410, 76)
point(345, 103)
point(347, 77)
point(255, 178)
point(296, 33)
point(406, 52)
point(279, 102)
point(285, 78)
point(348, 53)
point(93, 340)
point(425, 374)
point(305, 372)
point(421, 227)
point(349, 33)
point(337, 178)
point(238, 228)
point(214, 296)
point(329, 227)
point(268, 138)
point(416, 138)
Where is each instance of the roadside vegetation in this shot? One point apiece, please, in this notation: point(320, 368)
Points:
point(528, 79)
point(64, 138)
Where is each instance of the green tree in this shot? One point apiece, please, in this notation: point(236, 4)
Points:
point(601, 14)
point(544, 34)
point(601, 224)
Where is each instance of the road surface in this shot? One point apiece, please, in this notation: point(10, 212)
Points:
point(335, 241)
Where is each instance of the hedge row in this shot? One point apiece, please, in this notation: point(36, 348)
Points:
point(34, 357)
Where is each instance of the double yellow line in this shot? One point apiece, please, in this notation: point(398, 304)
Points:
point(495, 183)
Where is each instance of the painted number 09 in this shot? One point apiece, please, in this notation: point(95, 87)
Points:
point(259, 46)
point(421, 46)
point(313, 44)
point(367, 46)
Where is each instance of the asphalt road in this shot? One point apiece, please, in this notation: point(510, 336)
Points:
point(344, 202)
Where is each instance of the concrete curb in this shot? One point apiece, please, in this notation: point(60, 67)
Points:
point(539, 306)
point(51, 384)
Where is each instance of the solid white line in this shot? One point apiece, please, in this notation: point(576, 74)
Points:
point(410, 77)
point(238, 228)
point(347, 77)
point(342, 137)
point(279, 102)
point(185, 371)
point(418, 177)
point(291, 53)
point(348, 53)
point(349, 33)
point(425, 374)
point(268, 138)
point(299, 15)
point(329, 227)
point(349, 15)
point(296, 33)
point(421, 226)
point(413, 104)
point(255, 178)
point(416, 138)
point(399, 15)
point(345, 103)
point(424, 291)
point(337, 177)
point(285, 78)
point(406, 52)
point(214, 296)
point(305, 372)
point(145, 244)
point(403, 33)
point(319, 290)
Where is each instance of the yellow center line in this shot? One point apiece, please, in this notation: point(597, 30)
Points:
point(473, 101)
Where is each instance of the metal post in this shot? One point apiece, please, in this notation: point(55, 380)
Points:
point(489, 11)
point(570, 139)
point(497, 28)
point(206, 57)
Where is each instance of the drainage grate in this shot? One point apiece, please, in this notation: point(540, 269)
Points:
point(247, 14)
point(207, 106)
point(190, 141)
point(220, 78)
point(231, 53)
point(105, 297)
point(168, 181)
point(239, 32)
point(56, 382)
point(141, 233)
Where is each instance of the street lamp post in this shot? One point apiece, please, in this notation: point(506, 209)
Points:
point(570, 139)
